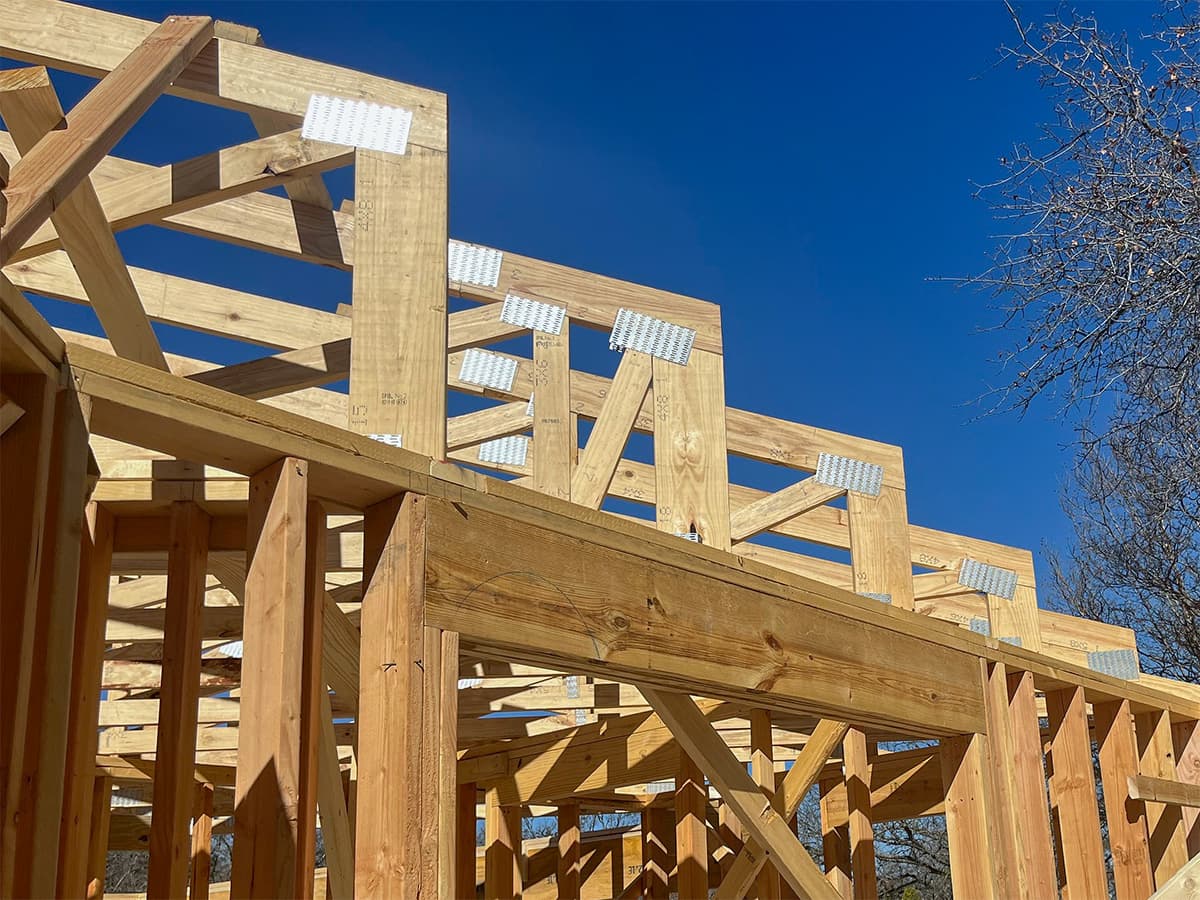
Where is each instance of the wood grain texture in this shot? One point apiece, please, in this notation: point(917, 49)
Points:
point(964, 772)
point(1033, 816)
point(1073, 794)
point(1164, 822)
point(1133, 876)
point(555, 437)
point(598, 460)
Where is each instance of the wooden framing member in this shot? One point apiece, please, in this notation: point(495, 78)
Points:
point(738, 789)
point(97, 846)
point(1186, 736)
point(1007, 856)
point(30, 108)
point(767, 512)
point(762, 770)
point(175, 752)
point(201, 851)
point(1032, 803)
point(598, 460)
point(964, 774)
point(858, 805)
point(691, 830)
point(555, 437)
point(1163, 790)
point(336, 828)
point(90, 613)
point(398, 356)
point(1164, 822)
point(1073, 794)
point(1133, 876)
point(273, 794)
point(45, 176)
point(502, 849)
point(466, 878)
point(569, 856)
point(656, 855)
point(407, 716)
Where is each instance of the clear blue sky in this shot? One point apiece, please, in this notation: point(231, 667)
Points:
point(809, 167)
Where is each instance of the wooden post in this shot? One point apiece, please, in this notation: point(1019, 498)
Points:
point(835, 843)
point(554, 439)
point(175, 757)
point(1033, 813)
point(691, 832)
point(201, 843)
point(1008, 855)
point(398, 335)
point(336, 829)
point(314, 698)
point(858, 806)
point(405, 816)
point(656, 858)
point(879, 544)
point(40, 803)
point(502, 840)
point(271, 789)
point(1073, 793)
point(762, 770)
point(569, 840)
point(1133, 875)
point(466, 878)
point(964, 767)
point(1186, 736)
point(91, 614)
point(98, 836)
point(1164, 822)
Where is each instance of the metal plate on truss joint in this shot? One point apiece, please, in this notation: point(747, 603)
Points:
point(505, 451)
point(635, 331)
point(489, 370)
point(472, 264)
point(980, 625)
point(1118, 663)
point(533, 314)
point(871, 595)
point(852, 474)
point(357, 123)
point(392, 440)
point(987, 578)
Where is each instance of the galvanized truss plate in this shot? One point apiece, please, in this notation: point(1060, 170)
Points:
point(990, 579)
point(1118, 663)
point(472, 264)
point(488, 370)
point(882, 598)
point(646, 334)
point(357, 123)
point(505, 451)
point(535, 315)
point(852, 474)
point(392, 440)
point(980, 625)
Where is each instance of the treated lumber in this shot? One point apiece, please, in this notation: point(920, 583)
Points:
point(1183, 885)
point(151, 195)
point(691, 831)
point(1073, 794)
point(835, 841)
point(398, 363)
point(95, 560)
point(1133, 875)
point(229, 73)
point(767, 512)
point(800, 777)
point(175, 751)
point(964, 771)
point(45, 176)
point(487, 424)
point(31, 109)
point(1164, 822)
point(858, 809)
point(738, 789)
point(880, 555)
point(598, 459)
point(270, 786)
point(762, 770)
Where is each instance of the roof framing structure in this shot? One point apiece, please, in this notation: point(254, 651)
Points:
point(236, 596)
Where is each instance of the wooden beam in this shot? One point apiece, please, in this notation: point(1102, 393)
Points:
point(92, 607)
point(502, 842)
point(1073, 794)
point(30, 108)
point(398, 359)
point(555, 439)
point(691, 830)
point(767, 512)
point(762, 770)
point(1163, 790)
point(1133, 876)
point(51, 170)
point(598, 461)
point(201, 843)
point(879, 544)
point(858, 804)
point(1186, 736)
point(175, 753)
point(964, 767)
point(1164, 823)
point(1184, 884)
point(268, 796)
point(737, 788)
point(331, 799)
point(569, 870)
point(1008, 855)
point(835, 842)
point(406, 798)
point(98, 835)
point(656, 855)
point(796, 783)
point(1033, 815)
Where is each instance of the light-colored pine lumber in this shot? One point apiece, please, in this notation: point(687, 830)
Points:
point(502, 842)
point(201, 850)
point(555, 438)
point(792, 501)
point(1073, 793)
point(45, 176)
point(569, 863)
point(1163, 790)
point(1133, 876)
point(964, 772)
point(98, 834)
point(1186, 736)
point(598, 459)
point(762, 770)
point(657, 836)
point(331, 801)
point(175, 753)
point(858, 806)
point(1164, 822)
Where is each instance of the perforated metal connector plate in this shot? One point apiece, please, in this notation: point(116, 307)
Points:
point(693, 536)
point(882, 598)
point(392, 440)
point(533, 314)
point(357, 123)
point(635, 331)
point(1014, 640)
point(581, 716)
point(1118, 663)
point(990, 579)
point(851, 474)
point(472, 264)
point(505, 451)
point(488, 370)
point(465, 683)
point(980, 625)
point(529, 407)
point(660, 787)
point(571, 683)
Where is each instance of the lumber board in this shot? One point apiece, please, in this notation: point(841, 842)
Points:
point(964, 767)
point(555, 436)
point(1073, 794)
point(1164, 822)
point(1133, 875)
point(45, 176)
point(30, 108)
point(788, 503)
point(598, 459)
point(1163, 790)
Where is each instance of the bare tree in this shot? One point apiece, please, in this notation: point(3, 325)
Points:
point(1098, 278)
